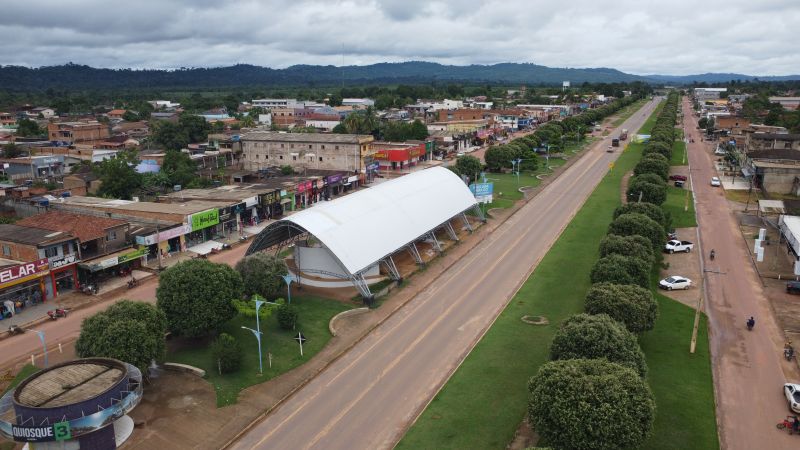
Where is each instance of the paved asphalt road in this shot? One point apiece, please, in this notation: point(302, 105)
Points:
point(17, 348)
point(749, 368)
point(367, 398)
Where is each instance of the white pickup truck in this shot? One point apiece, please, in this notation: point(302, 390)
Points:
point(675, 245)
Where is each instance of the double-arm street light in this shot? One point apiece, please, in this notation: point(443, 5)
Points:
point(256, 333)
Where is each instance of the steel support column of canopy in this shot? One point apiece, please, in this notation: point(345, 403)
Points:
point(450, 231)
point(393, 272)
point(412, 248)
point(436, 243)
point(361, 284)
point(478, 212)
point(467, 225)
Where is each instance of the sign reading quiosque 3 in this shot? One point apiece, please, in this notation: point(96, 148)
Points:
point(204, 219)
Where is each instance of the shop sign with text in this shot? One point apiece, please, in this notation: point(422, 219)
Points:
point(64, 261)
point(22, 272)
point(204, 219)
point(132, 255)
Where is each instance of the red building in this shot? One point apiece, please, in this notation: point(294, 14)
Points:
point(398, 155)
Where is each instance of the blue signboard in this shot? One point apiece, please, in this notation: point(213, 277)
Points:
point(482, 189)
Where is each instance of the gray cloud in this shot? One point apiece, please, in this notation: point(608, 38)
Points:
point(634, 36)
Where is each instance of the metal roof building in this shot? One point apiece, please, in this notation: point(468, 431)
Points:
point(365, 228)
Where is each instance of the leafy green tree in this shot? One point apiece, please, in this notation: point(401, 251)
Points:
point(130, 331)
point(170, 135)
point(660, 168)
point(12, 150)
point(287, 316)
point(130, 116)
point(621, 269)
point(226, 353)
point(29, 128)
point(469, 166)
point(658, 147)
point(262, 274)
point(650, 210)
point(178, 167)
point(118, 176)
point(642, 188)
point(339, 129)
point(498, 157)
point(636, 223)
point(197, 296)
point(635, 246)
point(335, 100)
point(195, 127)
point(418, 131)
point(631, 305)
point(590, 404)
point(586, 336)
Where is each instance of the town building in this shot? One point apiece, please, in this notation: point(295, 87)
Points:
point(271, 103)
point(7, 119)
point(163, 104)
point(358, 103)
point(72, 132)
point(788, 103)
point(37, 264)
point(703, 94)
point(774, 171)
point(34, 167)
point(301, 151)
point(116, 114)
point(398, 155)
point(734, 125)
point(43, 112)
point(771, 141)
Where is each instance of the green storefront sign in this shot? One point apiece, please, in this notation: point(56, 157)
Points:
point(204, 219)
point(132, 255)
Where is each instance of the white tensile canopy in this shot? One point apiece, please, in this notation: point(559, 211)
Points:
point(367, 226)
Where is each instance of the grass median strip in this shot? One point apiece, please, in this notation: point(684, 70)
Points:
point(679, 157)
point(681, 382)
point(313, 317)
point(484, 401)
point(681, 207)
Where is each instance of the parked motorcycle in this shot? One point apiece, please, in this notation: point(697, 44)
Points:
point(787, 424)
point(788, 353)
point(15, 329)
point(226, 246)
point(54, 314)
point(89, 289)
point(132, 283)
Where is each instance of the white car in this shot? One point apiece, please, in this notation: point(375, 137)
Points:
point(792, 392)
point(675, 282)
point(715, 182)
point(675, 245)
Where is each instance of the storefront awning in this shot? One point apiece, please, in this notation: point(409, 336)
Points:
point(114, 259)
point(206, 247)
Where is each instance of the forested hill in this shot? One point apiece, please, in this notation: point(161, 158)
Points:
point(74, 76)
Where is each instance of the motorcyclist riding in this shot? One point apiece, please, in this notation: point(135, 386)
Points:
point(713, 253)
point(795, 424)
point(751, 323)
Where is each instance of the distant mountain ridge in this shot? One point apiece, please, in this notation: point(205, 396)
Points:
point(75, 76)
point(716, 78)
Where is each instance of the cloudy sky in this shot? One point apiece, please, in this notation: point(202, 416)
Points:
point(636, 36)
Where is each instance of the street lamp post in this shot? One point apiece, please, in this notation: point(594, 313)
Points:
point(288, 279)
point(257, 334)
point(44, 345)
point(515, 163)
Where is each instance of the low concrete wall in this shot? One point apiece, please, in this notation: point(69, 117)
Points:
point(349, 312)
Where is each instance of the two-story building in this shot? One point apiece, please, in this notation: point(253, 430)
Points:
point(72, 132)
point(37, 263)
point(345, 152)
point(98, 238)
point(772, 141)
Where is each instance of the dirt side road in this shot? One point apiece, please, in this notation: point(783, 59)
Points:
point(749, 369)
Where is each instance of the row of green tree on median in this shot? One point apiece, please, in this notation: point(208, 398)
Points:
point(593, 394)
point(194, 299)
point(552, 135)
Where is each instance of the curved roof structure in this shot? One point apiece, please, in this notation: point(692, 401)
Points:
point(366, 226)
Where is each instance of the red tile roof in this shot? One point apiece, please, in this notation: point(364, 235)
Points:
point(85, 228)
